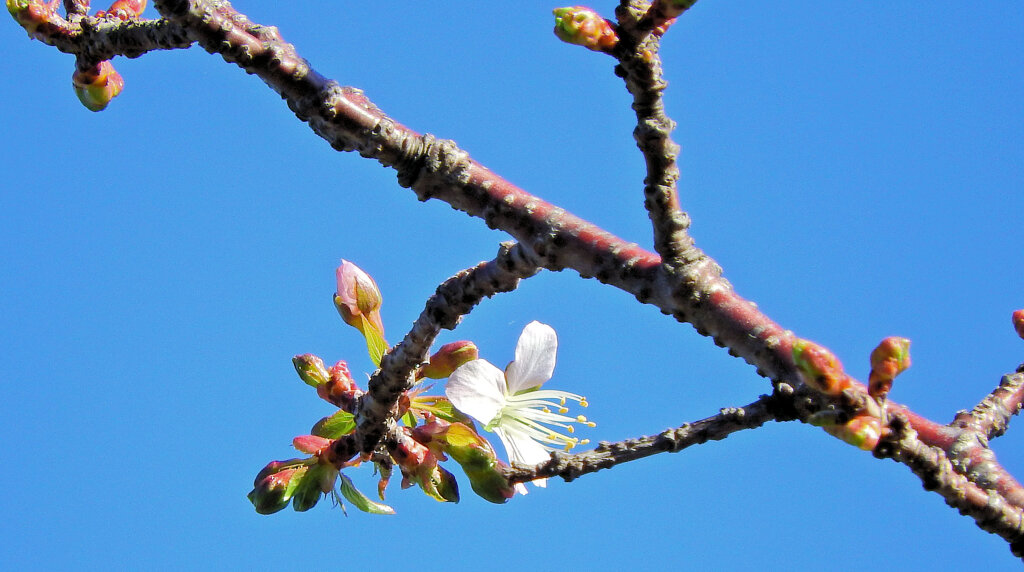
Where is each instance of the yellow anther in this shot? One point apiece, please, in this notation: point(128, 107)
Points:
point(571, 429)
point(563, 410)
point(561, 401)
point(583, 402)
point(581, 418)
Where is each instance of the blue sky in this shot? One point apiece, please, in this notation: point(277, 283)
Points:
point(857, 169)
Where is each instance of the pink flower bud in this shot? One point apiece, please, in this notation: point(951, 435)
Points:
point(96, 87)
point(449, 358)
point(1018, 322)
point(357, 296)
point(889, 359)
point(863, 432)
point(582, 26)
point(31, 14)
point(819, 368)
point(340, 389)
point(124, 9)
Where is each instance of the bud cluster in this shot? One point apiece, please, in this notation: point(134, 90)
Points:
point(432, 433)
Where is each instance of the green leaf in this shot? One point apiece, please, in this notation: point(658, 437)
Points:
point(361, 501)
point(375, 343)
point(409, 419)
point(440, 406)
point(337, 425)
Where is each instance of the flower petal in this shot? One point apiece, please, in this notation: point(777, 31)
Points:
point(535, 358)
point(477, 388)
point(523, 449)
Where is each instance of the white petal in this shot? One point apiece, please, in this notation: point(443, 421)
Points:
point(522, 449)
point(535, 358)
point(477, 388)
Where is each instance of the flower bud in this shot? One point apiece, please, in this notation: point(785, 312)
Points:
point(1018, 322)
point(449, 358)
point(419, 466)
point(311, 369)
point(124, 9)
point(96, 87)
point(357, 295)
point(584, 27)
point(273, 492)
point(274, 467)
point(358, 301)
point(863, 431)
point(478, 460)
point(317, 481)
point(889, 359)
point(819, 368)
point(340, 389)
point(31, 14)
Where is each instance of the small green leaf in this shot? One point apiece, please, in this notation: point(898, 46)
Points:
point(440, 406)
point(409, 419)
point(361, 501)
point(337, 425)
point(375, 343)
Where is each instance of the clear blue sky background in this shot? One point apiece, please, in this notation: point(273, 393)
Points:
point(856, 167)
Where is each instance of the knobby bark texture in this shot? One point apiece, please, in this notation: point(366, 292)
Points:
point(952, 459)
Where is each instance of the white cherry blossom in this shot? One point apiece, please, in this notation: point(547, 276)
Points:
point(511, 403)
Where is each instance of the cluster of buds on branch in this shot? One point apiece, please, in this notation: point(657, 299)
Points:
point(821, 370)
point(95, 84)
point(433, 429)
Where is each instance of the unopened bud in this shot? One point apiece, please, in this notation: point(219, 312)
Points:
point(340, 389)
point(311, 369)
point(124, 9)
point(1018, 322)
point(449, 358)
point(584, 27)
point(819, 368)
point(863, 431)
point(31, 14)
point(357, 296)
point(97, 86)
point(889, 359)
point(273, 492)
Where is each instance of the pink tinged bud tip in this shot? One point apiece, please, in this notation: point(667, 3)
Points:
point(99, 85)
point(584, 27)
point(448, 359)
point(819, 368)
point(863, 432)
point(31, 14)
point(1018, 322)
point(889, 359)
point(357, 295)
point(124, 9)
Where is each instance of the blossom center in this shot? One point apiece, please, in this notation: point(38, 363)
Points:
point(540, 414)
